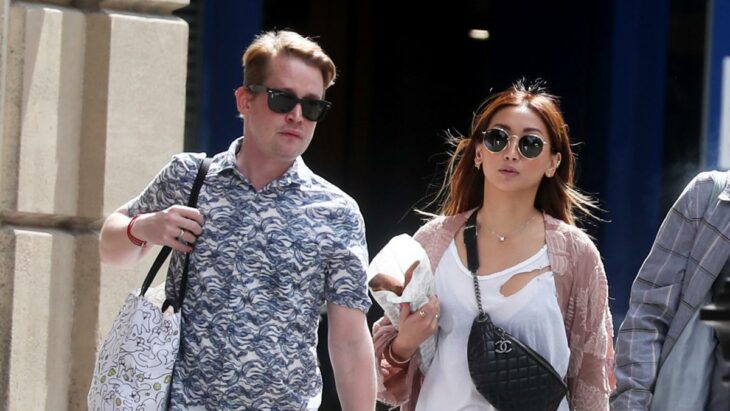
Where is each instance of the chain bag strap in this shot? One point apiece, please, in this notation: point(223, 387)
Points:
point(508, 373)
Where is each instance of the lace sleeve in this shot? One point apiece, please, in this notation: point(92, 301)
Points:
point(590, 373)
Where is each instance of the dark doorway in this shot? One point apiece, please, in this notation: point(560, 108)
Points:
point(405, 80)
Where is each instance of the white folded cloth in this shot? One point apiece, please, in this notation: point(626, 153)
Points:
point(389, 286)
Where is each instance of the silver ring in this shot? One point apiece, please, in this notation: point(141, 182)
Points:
point(437, 317)
point(179, 236)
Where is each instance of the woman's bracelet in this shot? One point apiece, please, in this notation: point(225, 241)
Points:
point(391, 358)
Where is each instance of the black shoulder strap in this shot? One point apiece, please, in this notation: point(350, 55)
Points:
point(165, 252)
point(470, 242)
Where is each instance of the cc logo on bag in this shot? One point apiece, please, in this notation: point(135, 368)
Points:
point(503, 346)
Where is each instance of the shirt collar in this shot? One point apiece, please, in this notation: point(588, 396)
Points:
point(297, 173)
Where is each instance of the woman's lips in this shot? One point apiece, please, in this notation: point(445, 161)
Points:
point(508, 171)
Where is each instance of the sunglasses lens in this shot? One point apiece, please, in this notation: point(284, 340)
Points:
point(281, 102)
point(314, 110)
point(531, 146)
point(495, 140)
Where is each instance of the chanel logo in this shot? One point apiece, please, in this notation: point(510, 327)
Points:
point(503, 346)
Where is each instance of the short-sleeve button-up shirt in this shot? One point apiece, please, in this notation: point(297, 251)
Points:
point(265, 264)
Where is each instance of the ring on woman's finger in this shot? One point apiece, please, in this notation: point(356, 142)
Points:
point(422, 313)
point(179, 236)
point(437, 317)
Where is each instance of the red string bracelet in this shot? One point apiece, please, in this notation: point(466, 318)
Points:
point(136, 241)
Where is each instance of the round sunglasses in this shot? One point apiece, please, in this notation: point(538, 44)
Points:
point(282, 102)
point(529, 145)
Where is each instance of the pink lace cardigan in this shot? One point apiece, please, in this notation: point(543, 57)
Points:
point(582, 291)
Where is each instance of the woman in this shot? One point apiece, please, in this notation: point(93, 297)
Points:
point(541, 278)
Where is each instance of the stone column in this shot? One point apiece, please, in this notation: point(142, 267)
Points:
point(92, 106)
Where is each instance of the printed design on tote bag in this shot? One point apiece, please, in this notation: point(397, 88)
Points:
point(127, 366)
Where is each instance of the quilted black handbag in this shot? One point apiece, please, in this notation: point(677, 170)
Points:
point(508, 373)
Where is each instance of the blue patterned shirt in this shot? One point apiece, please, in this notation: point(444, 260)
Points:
point(265, 264)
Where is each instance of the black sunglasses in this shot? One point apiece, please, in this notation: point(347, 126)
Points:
point(282, 102)
point(529, 145)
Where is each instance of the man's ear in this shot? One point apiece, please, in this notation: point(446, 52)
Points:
point(243, 100)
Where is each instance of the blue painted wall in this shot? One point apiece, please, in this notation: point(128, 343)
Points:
point(718, 48)
point(633, 150)
point(228, 28)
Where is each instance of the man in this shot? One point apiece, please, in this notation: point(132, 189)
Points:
point(666, 358)
point(272, 243)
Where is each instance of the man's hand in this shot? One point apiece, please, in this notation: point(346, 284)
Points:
point(177, 227)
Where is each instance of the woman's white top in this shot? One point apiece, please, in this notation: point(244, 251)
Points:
point(531, 314)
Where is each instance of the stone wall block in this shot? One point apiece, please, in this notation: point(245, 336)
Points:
point(47, 50)
point(135, 105)
point(144, 6)
point(85, 321)
point(7, 276)
point(42, 313)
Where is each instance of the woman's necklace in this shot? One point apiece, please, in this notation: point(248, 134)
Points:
point(503, 237)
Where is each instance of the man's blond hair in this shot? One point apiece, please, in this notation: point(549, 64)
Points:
point(270, 44)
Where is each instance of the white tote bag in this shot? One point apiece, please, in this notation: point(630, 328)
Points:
point(134, 366)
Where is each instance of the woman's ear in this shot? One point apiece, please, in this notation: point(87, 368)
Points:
point(477, 158)
point(554, 164)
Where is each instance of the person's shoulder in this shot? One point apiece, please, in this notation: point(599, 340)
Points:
point(330, 193)
point(179, 169)
point(434, 224)
point(577, 238)
point(705, 180)
point(323, 185)
point(711, 175)
point(694, 197)
point(186, 161)
point(564, 228)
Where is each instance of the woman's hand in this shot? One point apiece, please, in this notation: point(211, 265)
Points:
point(415, 327)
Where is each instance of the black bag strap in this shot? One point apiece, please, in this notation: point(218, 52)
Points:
point(472, 261)
point(165, 252)
point(470, 242)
